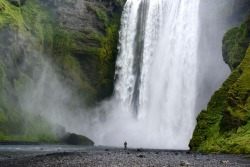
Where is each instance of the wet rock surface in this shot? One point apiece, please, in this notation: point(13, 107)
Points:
point(115, 157)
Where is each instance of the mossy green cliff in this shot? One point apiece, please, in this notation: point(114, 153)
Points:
point(78, 37)
point(225, 125)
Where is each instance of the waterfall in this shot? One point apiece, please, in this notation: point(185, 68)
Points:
point(169, 51)
point(157, 67)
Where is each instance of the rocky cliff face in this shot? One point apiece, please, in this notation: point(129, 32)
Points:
point(225, 125)
point(86, 38)
point(78, 37)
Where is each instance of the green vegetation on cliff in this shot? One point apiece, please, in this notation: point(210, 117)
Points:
point(94, 50)
point(24, 27)
point(79, 38)
point(225, 125)
point(235, 44)
point(107, 56)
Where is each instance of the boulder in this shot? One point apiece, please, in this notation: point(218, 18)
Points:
point(75, 139)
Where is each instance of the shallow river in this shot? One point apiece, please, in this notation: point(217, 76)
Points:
point(15, 151)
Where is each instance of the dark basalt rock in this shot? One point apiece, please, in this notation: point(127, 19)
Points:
point(139, 150)
point(17, 3)
point(75, 139)
point(141, 156)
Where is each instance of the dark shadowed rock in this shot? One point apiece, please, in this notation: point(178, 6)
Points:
point(139, 150)
point(17, 3)
point(75, 139)
point(141, 156)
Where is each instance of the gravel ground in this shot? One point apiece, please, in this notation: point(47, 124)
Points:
point(116, 157)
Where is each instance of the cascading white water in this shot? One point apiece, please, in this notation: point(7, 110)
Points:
point(157, 68)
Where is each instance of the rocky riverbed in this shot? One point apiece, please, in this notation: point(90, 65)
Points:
point(106, 157)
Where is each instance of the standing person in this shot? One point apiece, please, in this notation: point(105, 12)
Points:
point(125, 145)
